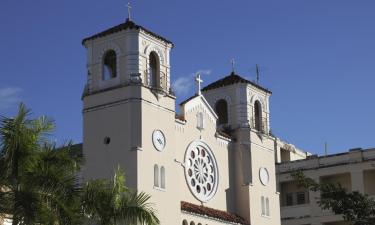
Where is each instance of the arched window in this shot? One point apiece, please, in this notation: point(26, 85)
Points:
point(154, 69)
point(109, 65)
point(162, 177)
point(221, 109)
point(156, 175)
point(185, 222)
point(263, 206)
point(267, 207)
point(258, 115)
point(192, 223)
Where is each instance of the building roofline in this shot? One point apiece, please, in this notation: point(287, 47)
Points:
point(124, 26)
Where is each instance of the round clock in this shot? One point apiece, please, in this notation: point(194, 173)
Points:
point(158, 139)
point(264, 176)
point(201, 171)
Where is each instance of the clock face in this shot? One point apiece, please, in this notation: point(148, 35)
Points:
point(264, 176)
point(158, 139)
point(201, 171)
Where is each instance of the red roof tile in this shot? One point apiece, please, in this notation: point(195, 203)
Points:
point(214, 213)
point(232, 79)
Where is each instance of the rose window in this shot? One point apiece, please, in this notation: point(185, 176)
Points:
point(201, 171)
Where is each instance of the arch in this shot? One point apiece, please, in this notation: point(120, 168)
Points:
point(258, 115)
point(109, 65)
point(192, 223)
point(154, 70)
point(156, 175)
point(162, 177)
point(156, 50)
point(185, 222)
point(221, 109)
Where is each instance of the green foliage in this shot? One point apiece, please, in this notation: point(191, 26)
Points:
point(356, 208)
point(110, 202)
point(38, 181)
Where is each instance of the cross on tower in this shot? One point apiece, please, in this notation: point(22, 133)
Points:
point(129, 8)
point(232, 62)
point(199, 81)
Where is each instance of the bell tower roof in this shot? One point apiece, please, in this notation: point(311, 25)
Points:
point(233, 78)
point(129, 24)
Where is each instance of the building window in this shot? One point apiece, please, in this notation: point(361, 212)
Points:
point(185, 222)
point(154, 69)
point(221, 109)
point(267, 207)
point(301, 198)
point(263, 206)
point(162, 177)
point(192, 223)
point(258, 115)
point(156, 175)
point(289, 199)
point(200, 121)
point(109, 65)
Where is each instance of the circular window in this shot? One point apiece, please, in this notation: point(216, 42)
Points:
point(263, 176)
point(201, 171)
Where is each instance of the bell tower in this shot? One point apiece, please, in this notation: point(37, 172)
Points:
point(125, 54)
point(128, 80)
point(242, 107)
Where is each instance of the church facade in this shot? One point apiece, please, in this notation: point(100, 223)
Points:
point(213, 163)
point(216, 161)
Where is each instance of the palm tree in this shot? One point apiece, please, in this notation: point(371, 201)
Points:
point(37, 180)
point(109, 202)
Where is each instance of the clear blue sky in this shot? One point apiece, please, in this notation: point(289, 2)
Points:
point(318, 58)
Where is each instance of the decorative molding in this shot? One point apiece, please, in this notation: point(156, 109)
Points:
point(200, 103)
point(256, 97)
point(153, 48)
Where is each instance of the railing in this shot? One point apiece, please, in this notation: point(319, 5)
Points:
point(263, 125)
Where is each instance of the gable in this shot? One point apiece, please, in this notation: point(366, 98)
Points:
point(195, 102)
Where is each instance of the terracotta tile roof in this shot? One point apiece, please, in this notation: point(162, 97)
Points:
point(127, 25)
point(214, 213)
point(232, 79)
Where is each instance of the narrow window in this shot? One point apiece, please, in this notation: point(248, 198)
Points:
point(109, 65)
point(301, 198)
point(258, 116)
point(162, 176)
point(156, 176)
point(267, 207)
point(200, 124)
point(263, 206)
point(221, 109)
point(154, 69)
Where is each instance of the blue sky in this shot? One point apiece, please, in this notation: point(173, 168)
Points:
point(317, 57)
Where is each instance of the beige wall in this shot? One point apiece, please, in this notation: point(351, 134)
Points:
point(353, 170)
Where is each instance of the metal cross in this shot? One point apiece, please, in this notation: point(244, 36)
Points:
point(232, 62)
point(129, 8)
point(199, 81)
